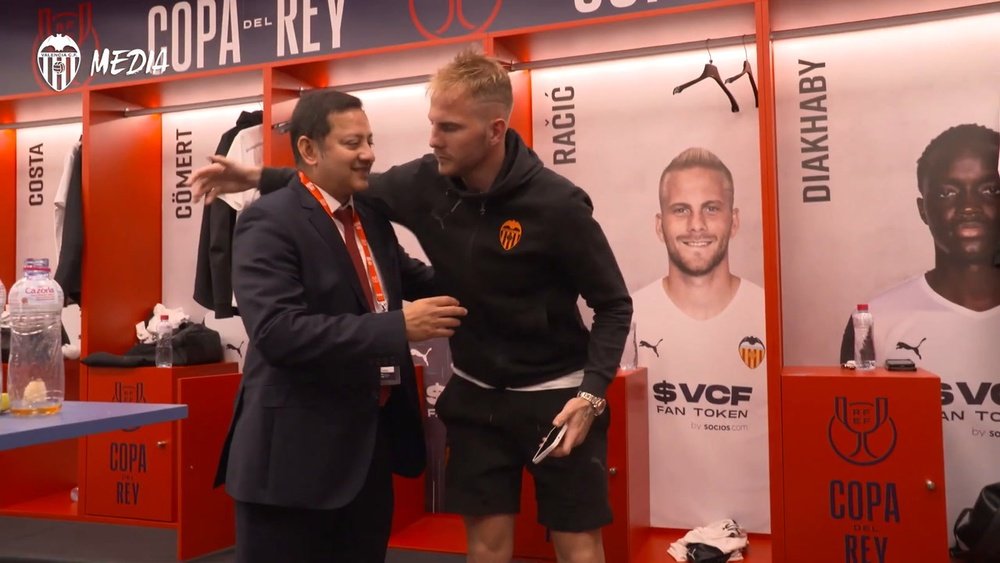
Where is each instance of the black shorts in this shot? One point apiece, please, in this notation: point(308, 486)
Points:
point(492, 436)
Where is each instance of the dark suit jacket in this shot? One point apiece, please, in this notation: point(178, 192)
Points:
point(305, 419)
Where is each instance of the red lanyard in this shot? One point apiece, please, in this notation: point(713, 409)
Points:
point(381, 303)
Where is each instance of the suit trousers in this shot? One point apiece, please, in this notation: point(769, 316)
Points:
point(355, 533)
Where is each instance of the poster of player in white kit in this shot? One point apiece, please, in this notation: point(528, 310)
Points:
point(889, 195)
point(675, 183)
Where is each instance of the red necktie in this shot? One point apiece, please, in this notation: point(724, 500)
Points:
point(346, 216)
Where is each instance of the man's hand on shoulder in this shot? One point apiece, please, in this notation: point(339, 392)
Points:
point(222, 176)
point(433, 317)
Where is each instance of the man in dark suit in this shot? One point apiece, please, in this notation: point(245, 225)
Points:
point(327, 409)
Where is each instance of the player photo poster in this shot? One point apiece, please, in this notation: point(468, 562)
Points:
point(888, 189)
point(688, 242)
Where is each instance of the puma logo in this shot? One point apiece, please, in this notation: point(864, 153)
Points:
point(915, 349)
point(653, 347)
point(415, 352)
point(237, 349)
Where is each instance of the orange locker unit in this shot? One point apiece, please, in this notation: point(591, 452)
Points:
point(163, 474)
point(863, 466)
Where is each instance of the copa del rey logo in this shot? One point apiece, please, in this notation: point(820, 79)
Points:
point(58, 60)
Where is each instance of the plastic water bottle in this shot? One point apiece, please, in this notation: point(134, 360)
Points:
point(164, 345)
point(3, 301)
point(630, 354)
point(864, 341)
point(36, 381)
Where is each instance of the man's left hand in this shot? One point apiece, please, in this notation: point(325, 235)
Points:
point(577, 415)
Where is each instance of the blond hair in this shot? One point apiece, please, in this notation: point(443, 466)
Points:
point(482, 77)
point(697, 157)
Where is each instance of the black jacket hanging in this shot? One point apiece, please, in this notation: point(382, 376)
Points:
point(213, 280)
point(71, 250)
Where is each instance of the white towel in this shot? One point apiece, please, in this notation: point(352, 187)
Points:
point(146, 333)
point(723, 534)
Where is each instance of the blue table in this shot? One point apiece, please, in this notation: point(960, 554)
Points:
point(81, 418)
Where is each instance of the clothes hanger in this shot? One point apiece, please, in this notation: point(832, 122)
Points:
point(710, 71)
point(747, 71)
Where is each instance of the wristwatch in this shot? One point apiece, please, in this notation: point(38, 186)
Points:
point(596, 403)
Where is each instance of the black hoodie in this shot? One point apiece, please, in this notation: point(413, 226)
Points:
point(518, 257)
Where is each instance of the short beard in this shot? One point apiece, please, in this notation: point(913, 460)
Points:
point(717, 259)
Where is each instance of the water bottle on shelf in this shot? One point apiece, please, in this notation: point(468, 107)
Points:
point(864, 341)
point(3, 301)
point(36, 381)
point(630, 354)
point(164, 345)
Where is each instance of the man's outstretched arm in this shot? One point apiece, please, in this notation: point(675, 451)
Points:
point(223, 176)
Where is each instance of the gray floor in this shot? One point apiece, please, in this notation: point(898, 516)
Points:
point(33, 540)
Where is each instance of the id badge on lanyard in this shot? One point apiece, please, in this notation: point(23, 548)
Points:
point(388, 375)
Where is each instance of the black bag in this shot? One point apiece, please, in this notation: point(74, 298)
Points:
point(977, 530)
point(704, 553)
point(193, 343)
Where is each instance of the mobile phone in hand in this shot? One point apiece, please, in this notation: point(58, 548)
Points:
point(549, 442)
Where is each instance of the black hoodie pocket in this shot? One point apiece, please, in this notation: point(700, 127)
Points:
point(521, 320)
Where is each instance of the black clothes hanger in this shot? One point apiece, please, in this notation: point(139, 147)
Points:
point(710, 71)
point(747, 71)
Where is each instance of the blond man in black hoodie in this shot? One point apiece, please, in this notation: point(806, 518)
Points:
point(517, 245)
